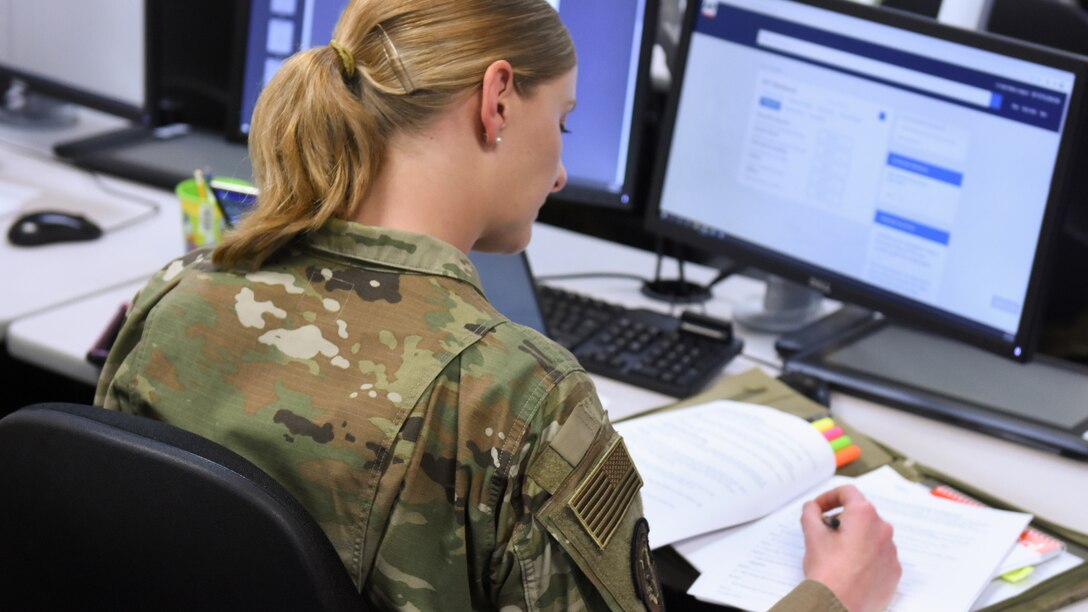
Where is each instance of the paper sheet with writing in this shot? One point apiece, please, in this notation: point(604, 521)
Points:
point(948, 551)
point(720, 464)
point(701, 551)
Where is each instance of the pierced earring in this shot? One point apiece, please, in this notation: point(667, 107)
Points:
point(498, 139)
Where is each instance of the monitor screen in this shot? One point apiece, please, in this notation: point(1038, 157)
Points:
point(277, 29)
point(613, 39)
point(90, 52)
point(600, 153)
point(509, 285)
point(874, 156)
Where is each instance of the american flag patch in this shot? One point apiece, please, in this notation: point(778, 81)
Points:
point(602, 499)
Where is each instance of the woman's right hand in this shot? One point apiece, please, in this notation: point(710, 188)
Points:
point(857, 560)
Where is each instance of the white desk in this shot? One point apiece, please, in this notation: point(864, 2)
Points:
point(36, 279)
point(58, 338)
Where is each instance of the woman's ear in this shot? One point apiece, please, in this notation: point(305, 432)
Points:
point(498, 86)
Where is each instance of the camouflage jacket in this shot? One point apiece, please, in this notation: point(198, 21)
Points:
point(456, 460)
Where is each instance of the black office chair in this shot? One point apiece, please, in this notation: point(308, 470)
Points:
point(104, 510)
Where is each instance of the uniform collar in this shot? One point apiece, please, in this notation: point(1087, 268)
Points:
point(393, 248)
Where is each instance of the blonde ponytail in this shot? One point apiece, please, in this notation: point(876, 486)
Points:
point(319, 131)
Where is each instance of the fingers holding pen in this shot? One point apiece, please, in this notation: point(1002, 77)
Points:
point(858, 560)
point(827, 509)
point(839, 497)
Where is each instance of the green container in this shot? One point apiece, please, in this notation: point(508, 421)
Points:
point(201, 223)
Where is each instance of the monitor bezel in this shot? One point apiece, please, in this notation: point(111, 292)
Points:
point(1023, 343)
point(39, 83)
point(67, 93)
point(636, 150)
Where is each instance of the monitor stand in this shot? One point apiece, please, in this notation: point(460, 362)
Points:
point(162, 156)
point(27, 109)
point(1040, 403)
point(785, 306)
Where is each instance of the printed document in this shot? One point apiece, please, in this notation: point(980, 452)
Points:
point(721, 464)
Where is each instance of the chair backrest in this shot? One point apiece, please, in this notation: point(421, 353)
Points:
point(104, 510)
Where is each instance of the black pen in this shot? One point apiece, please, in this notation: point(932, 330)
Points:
point(831, 519)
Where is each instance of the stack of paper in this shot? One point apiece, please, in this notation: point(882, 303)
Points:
point(720, 464)
point(1000, 590)
point(725, 481)
point(1032, 548)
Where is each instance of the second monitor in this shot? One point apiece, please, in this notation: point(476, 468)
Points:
point(613, 40)
point(876, 157)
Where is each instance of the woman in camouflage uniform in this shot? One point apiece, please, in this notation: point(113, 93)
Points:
point(339, 338)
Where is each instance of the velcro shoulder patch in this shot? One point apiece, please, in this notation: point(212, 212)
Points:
point(565, 452)
point(592, 517)
point(602, 499)
point(577, 434)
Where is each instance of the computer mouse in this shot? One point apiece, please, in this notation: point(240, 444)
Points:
point(50, 226)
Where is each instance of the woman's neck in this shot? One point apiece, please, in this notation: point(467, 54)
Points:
point(429, 182)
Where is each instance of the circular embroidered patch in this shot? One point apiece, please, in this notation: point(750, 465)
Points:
point(643, 570)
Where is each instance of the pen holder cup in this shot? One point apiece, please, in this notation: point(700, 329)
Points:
point(201, 221)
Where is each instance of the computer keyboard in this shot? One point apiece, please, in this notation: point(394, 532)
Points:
point(677, 356)
point(571, 318)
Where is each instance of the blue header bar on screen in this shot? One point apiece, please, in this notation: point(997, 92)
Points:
point(981, 91)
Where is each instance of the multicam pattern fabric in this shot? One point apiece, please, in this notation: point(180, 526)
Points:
point(364, 369)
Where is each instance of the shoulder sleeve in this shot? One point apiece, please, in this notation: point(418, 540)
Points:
point(809, 596)
point(578, 538)
point(129, 337)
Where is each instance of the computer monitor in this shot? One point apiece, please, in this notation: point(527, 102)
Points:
point(613, 39)
point(89, 52)
point(611, 131)
point(876, 157)
point(276, 29)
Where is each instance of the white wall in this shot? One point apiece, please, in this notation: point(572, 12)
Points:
point(92, 45)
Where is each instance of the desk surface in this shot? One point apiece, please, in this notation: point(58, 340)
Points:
point(57, 332)
point(39, 278)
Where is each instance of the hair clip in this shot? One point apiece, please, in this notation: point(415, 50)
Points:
point(393, 56)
